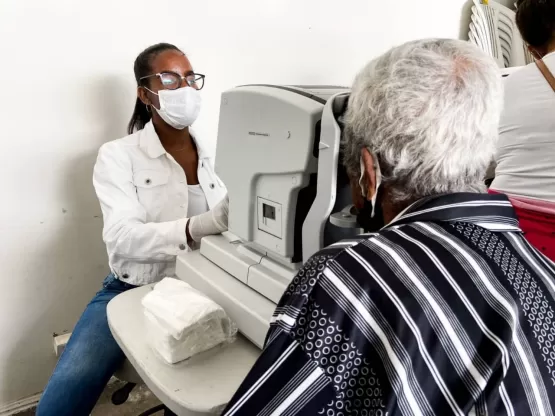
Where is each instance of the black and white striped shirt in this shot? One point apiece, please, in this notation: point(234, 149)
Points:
point(446, 311)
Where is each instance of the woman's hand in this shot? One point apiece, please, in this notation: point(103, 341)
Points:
point(209, 223)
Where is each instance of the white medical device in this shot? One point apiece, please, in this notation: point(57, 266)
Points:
point(278, 154)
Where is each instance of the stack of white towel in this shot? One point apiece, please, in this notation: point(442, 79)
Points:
point(182, 322)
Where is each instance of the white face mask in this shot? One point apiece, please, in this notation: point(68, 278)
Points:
point(179, 108)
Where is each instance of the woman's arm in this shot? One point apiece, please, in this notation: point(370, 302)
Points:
point(126, 231)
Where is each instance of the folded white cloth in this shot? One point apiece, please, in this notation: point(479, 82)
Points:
point(182, 322)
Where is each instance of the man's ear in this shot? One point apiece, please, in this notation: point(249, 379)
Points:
point(369, 173)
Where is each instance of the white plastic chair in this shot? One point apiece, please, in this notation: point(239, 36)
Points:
point(493, 29)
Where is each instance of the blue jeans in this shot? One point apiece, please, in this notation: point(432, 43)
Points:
point(89, 359)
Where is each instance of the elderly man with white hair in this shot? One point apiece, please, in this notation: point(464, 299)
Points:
point(446, 310)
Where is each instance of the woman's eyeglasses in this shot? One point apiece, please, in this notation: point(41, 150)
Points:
point(173, 81)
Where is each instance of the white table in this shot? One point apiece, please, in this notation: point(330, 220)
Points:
point(199, 386)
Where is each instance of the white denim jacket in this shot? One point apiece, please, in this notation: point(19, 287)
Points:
point(144, 196)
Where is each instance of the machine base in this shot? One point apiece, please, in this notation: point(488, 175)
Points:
point(247, 308)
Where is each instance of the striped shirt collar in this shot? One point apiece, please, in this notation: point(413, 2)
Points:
point(492, 212)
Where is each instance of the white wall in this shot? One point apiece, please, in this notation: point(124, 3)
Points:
point(67, 87)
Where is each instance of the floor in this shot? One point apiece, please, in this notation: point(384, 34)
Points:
point(140, 399)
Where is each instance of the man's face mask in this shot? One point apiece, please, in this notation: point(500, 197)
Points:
point(370, 217)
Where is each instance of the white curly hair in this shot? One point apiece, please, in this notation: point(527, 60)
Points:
point(429, 111)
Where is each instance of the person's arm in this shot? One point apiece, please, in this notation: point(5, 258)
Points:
point(126, 230)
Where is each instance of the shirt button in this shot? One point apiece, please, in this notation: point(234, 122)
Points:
point(148, 181)
point(182, 246)
point(125, 276)
point(212, 186)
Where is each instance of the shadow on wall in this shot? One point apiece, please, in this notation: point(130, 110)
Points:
point(114, 106)
point(71, 256)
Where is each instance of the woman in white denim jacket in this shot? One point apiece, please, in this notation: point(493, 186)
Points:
point(159, 196)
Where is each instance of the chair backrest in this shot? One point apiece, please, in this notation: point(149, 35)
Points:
point(493, 29)
point(537, 222)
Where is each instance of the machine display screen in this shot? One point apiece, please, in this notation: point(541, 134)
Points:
point(269, 211)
